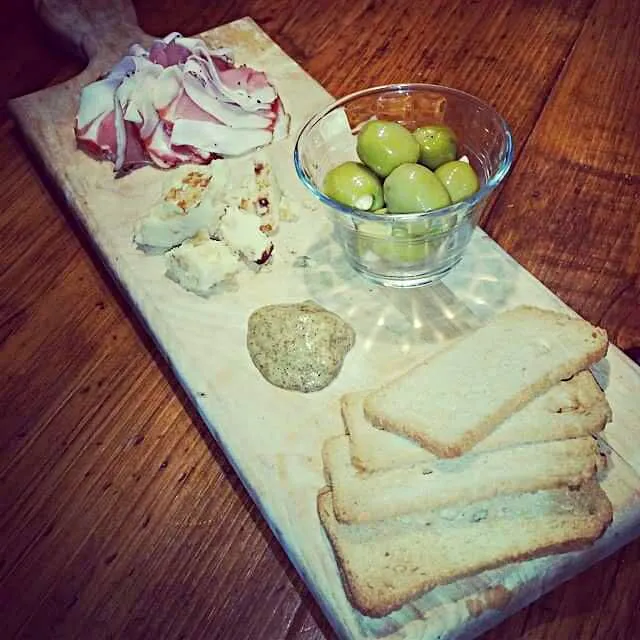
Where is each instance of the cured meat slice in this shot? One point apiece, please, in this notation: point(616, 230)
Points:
point(177, 102)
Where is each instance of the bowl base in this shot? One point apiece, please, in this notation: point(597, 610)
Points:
point(404, 281)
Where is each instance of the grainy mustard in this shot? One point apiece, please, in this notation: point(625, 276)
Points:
point(300, 347)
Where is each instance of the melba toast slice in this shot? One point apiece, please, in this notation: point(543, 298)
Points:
point(571, 409)
point(458, 397)
point(364, 497)
point(386, 564)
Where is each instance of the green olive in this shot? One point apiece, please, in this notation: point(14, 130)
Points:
point(372, 236)
point(424, 229)
point(384, 145)
point(459, 178)
point(438, 144)
point(391, 244)
point(355, 185)
point(412, 188)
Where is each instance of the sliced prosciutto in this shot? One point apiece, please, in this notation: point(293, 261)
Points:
point(177, 102)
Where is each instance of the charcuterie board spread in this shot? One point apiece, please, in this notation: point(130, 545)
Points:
point(440, 456)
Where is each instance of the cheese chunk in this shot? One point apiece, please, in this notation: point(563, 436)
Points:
point(190, 203)
point(268, 195)
point(199, 264)
point(241, 231)
point(165, 228)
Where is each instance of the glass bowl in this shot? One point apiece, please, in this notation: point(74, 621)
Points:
point(405, 249)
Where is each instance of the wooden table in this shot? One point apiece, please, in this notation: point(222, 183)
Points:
point(120, 517)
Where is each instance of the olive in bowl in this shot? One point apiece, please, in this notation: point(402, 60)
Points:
point(383, 146)
point(428, 213)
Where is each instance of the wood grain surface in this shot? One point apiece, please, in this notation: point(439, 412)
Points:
point(120, 517)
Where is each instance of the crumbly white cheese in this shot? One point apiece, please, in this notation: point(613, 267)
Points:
point(253, 188)
point(189, 204)
point(241, 232)
point(268, 194)
point(214, 219)
point(165, 227)
point(199, 264)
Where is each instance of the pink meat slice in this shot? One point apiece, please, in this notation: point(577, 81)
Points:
point(135, 153)
point(99, 137)
point(184, 108)
point(243, 78)
point(168, 55)
point(166, 155)
point(176, 103)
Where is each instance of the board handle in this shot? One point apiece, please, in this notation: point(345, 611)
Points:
point(90, 28)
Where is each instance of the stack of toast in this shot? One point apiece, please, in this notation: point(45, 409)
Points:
point(483, 455)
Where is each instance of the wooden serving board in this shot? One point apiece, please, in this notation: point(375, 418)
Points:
point(273, 437)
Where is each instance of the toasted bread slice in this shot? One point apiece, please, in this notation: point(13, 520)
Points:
point(571, 409)
point(458, 397)
point(363, 497)
point(386, 564)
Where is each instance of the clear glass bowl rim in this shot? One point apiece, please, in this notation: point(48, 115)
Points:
point(463, 206)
